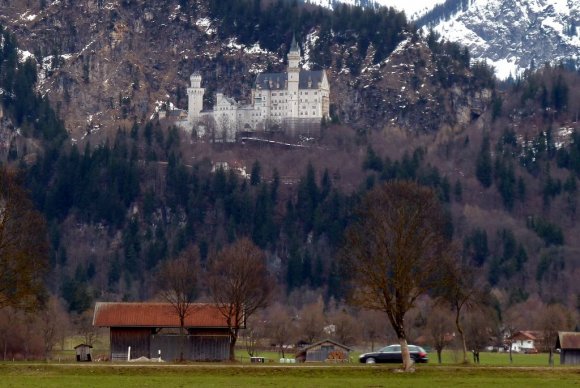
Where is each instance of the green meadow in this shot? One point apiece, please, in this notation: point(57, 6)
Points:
point(128, 375)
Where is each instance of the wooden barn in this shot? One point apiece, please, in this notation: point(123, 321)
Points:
point(152, 330)
point(569, 345)
point(324, 351)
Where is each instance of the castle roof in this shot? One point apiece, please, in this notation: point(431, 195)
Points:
point(309, 79)
point(294, 44)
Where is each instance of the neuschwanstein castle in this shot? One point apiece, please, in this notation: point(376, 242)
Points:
point(279, 100)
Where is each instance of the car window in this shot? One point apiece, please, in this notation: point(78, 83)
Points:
point(413, 348)
point(391, 349)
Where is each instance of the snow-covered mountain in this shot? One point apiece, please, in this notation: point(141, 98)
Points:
point(412, 9)
point(513, 35)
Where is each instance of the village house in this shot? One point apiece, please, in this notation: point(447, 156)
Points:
point(526, 341)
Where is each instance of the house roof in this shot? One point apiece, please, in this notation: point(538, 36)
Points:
point(528, 334)
point(156, 315)
point(308, 79)
point(568, 340)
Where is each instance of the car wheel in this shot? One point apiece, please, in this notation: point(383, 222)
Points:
point(370, 360)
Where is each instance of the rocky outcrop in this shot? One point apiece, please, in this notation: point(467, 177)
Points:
point(517, 34)
point(105, 65)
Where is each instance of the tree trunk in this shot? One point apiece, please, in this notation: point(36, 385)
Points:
point(439, 355)
point(233, 341)
point(407, 361)
point(462, 335)
point(182, 330)
point(551, 358)
point(511, 358)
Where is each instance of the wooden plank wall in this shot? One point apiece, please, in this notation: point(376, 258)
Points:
point(195, 348)
point(137, 338)
point(570, 357)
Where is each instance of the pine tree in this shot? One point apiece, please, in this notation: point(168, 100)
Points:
point(483, 168)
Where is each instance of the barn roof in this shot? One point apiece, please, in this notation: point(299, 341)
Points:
point(156, 315)
point(568, 340)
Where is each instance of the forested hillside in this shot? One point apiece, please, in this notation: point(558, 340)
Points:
point(504, 159)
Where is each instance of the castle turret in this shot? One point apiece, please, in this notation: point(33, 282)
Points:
point(293, 78)
point(195, 97)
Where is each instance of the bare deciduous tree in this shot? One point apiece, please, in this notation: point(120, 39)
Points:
point(373, 327)
point(346, 331)
point(255, 332)
point(280, 327)
point(23, 246)
point(311, 321)
point(177, 282)
point(554, 318)
point(54, 323)
point(462, 292)
point(394, 251)
point(479, 328)
point(439, 328)
point(239, 284)
point(84, 327)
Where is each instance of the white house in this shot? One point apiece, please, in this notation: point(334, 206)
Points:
point(526, 341)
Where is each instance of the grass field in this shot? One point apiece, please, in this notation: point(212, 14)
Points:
point(449, 357)
point(527, 370)
point(244, 375)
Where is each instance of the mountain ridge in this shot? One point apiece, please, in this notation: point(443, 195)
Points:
point(514, 35)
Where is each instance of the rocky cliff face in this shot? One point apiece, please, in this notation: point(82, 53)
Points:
point(514, 35)
point(108, 64)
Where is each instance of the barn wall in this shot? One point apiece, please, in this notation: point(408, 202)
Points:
point(195, 348)
point(137, 338)
point(570, 357)
point(322, 351)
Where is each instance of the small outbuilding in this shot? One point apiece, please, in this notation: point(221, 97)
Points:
point(324, 351)
point(569, 345)
point(83, 352)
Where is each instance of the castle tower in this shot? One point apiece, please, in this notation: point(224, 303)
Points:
point(293, 78)
point(194, 98)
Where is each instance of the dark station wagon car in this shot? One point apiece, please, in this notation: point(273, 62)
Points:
point(392, 353)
